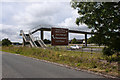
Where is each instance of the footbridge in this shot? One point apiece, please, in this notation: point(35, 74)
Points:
point(29, 39)
point(39, 41)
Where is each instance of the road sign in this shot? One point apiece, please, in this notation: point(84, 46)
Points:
point(59, 36)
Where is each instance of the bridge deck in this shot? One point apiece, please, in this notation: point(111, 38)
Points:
point(70, 31)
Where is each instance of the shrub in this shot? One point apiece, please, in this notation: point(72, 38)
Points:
point(78, 64)
point(6, 42)
point(108, 51)
point(107, 70)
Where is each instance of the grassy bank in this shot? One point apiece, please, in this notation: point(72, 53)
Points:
point(94, 62)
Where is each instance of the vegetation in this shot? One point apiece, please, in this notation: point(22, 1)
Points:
point(0, 43)
point(95, 62)
point(92, 39)
point(6, 42)
point(74, 41)
point(103, 18)
point(46, 41)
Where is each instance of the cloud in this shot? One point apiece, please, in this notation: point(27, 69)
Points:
point(12, 32)
point(24, 16)
point(52, 13)
point(36, 0)
point(44, 13)
point(70, 23)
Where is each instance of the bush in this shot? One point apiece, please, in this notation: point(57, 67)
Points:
point(78, 64)
point(74, 41)
point(6, 42)
point(108, 51)
point(46, 41)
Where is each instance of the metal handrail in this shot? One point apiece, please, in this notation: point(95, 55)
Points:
point(43, 43)
point(23, 35)
point(36, 38)
point(57, 26)
point(40, 43)
point(32, 40)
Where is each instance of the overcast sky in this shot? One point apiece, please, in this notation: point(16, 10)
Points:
point(26, 15)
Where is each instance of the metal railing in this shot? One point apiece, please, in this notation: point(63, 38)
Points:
point(42, 44)
point(57, 26)
point(28, 38)
point(23, 35)
point(32, 40)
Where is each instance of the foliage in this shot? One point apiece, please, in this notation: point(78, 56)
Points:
point(6, 42)
point(95, 39)
point(90, 40)
point(74, 41)
point(46, 41)
point(103, 19)
point(107, 51)
point(0, 43)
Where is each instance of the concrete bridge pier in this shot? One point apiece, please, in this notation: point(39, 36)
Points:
point(23, 42)
point(86, 40)
point(42, 34)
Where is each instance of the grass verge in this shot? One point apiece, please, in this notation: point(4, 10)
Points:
point(94, 62)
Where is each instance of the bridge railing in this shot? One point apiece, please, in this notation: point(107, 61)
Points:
point(36, 38)
point(50, 26)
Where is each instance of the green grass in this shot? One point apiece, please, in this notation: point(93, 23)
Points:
point(84, 60)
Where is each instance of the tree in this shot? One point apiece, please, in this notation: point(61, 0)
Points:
point(90, 40)
point(6, 42)
point(102, 18)
point(96, 40)
point(74, 41)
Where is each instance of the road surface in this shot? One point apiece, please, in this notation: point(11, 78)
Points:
point(95, 50)
point(16, 66)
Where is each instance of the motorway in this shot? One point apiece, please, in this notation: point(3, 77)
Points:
point(17, 66)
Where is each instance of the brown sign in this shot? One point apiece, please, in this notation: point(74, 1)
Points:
point(59, 36)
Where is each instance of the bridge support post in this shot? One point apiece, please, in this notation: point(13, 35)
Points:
point(42, 34)
point(23, 42)
point(85, 39)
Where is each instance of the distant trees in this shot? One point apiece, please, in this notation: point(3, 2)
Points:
point(74, 41)
point(6, 42)
point(46, 41)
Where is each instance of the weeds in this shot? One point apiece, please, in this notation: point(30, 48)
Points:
point(72, 58)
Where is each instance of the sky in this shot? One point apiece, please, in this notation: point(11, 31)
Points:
point(25, 15)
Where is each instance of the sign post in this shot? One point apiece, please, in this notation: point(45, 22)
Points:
point(59, 36)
